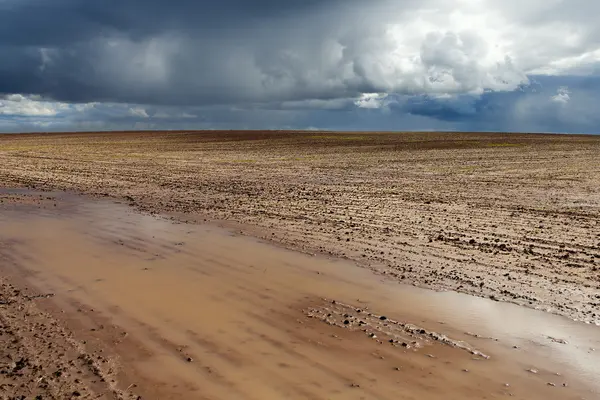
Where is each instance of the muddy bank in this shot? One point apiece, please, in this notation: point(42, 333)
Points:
point(509, 217)
point(168, 310)
point(40, 359)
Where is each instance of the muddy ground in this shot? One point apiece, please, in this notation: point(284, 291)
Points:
point(512, 217)
point(99, 301)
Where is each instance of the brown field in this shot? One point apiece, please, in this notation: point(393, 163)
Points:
point(105, 302)
point(512, 216)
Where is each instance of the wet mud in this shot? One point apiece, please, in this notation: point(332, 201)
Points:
point(132, 305)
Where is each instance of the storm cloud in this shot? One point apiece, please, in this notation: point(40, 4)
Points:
point(387, 64)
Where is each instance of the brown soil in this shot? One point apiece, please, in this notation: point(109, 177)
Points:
point(513, 217)
point(40, 359)
point(98, 301)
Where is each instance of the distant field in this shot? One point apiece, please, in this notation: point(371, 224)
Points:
point(512, 216)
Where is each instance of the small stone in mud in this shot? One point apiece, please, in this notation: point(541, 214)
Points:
point(551, 384)
point(189, 359)
point(532, 370)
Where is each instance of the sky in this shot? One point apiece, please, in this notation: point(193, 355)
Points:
point(469, 65)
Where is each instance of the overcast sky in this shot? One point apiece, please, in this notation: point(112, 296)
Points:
point(510, 65)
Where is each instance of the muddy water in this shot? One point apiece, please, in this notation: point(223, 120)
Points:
point(211, 314)
point(559, 339)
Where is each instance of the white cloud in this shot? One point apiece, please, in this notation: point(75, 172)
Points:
point(467, 46)
point(138, 112)
point(371, 100)
point(20, 105)
point(563, 95)
point(429, 47)
point(434, 47)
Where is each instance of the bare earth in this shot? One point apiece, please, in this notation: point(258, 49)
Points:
point(512, 217)
point(98, 301)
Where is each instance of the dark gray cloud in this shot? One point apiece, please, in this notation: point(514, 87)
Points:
point(232, 51)
point(63, 22)
point(163, 52)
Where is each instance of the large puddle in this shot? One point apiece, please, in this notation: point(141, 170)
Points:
point(536, 342)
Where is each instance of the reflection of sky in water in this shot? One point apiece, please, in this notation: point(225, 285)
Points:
point(511, 324)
